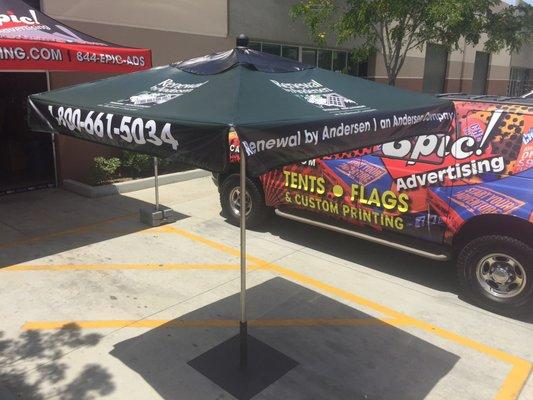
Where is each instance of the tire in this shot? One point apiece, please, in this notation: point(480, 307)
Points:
point(257, 213)
point(486, 262)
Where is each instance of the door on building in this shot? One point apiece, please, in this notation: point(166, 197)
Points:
point(26, 158)
point(481, 70)
point(434, 68)
point(520, 81)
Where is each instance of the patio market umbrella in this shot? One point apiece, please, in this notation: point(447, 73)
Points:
point(283, 111)
point(31, 40)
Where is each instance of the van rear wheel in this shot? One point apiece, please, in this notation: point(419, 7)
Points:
point(230, 200)
point(496, 272)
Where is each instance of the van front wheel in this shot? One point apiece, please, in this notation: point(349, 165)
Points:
point(230, 200)
point(496, 272)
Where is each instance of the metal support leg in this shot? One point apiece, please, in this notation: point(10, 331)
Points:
point(158, 214)
point(243, 325)
point(156, 181)
point(52, 135)
point(54, 154)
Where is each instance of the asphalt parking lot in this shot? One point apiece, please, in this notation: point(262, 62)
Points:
point(94, 305)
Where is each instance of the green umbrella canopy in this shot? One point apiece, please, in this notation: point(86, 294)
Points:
point(283, 111)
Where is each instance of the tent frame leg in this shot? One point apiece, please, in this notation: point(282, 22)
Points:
point(53, 138)
point(243, 324)
point(156, 182)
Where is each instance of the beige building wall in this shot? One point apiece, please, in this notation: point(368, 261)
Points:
point(270, 21)
point(498, 73)
point(410, 76)
point(201, 17)
point(173, 29)
point(459, 70)
point(524, 58)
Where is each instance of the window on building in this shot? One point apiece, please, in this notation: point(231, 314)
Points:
point(336, 60)
point(309, 56)
point(339, 61)
point(435, 68)
point(255, 46)
point(357, 68)
point(481, 71)
point(520, 81)
point(291, 52)
point(271, 48)
point(324, 59)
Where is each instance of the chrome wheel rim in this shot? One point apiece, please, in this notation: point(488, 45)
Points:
point(501, 275)
point(235, 201)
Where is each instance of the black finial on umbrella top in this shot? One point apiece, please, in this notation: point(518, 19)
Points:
point(242, 40)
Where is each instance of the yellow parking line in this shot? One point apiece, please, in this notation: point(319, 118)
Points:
point(510, 388)
point(103, 324)
point(109, 267)
point(215, 245)
point(224, 323)
point(78, 229)
point(325, 322)
point(197, 238)
point(515, 379)
point(162, 229)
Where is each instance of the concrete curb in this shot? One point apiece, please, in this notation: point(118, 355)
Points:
point(131, 186)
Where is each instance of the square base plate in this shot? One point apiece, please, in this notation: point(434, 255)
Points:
point(222, 366)
point(165, 215)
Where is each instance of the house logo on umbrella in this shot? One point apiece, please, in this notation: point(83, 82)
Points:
point(157, 94)
point(330, 100)
point(322, 97)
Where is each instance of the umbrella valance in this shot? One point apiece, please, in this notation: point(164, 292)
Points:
point(31, 40)
point(291, 112)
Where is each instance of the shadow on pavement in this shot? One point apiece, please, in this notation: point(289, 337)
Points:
point(31, 367)
point(334, 362)
point(81, 222)
point(433, 274)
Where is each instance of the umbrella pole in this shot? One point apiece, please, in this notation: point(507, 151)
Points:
point(156, 183)
point(243, 323)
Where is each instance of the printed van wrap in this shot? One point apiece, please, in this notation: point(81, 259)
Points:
point(427, 186)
